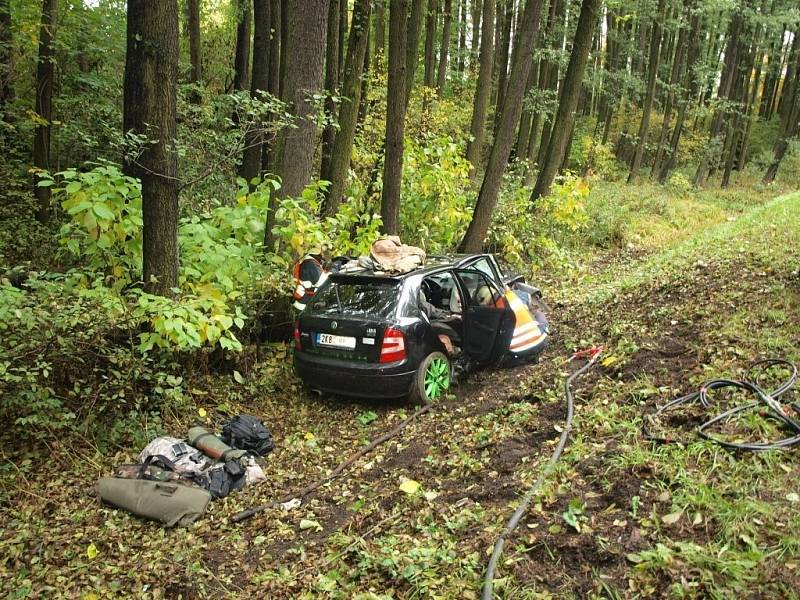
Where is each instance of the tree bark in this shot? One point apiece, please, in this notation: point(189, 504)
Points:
point(348, 112)
point(380, 30)
point(241, 64)
point(652, 78)
point(284, 59)
point(565, 116)
point(447, 16)
point(275, 51)
point(331, 86)
point(502, 60)
point(45, 69)
point(430, 41)
point(399, 25)
point(343, 12)
point(476, 33)
point(193, 26)
point(150, 85)
point(307, 24)
point(504, 139)
point(254, 138)
point(413, 31)
point(483, 87)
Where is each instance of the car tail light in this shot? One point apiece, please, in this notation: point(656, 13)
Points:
point(297, 335)
point(393, 347)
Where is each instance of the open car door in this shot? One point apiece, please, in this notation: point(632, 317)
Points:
point(488, 319)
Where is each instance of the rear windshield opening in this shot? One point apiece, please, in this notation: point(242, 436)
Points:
point(374, 298)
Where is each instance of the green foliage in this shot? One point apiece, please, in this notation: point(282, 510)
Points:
point(436, 195)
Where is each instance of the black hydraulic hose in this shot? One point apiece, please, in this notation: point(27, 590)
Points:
point(750, 384)
point(488, 582)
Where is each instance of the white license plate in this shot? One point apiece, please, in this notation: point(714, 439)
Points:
point(336, 341)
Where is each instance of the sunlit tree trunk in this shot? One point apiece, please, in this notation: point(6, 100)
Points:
point(483, 87)
point(447, 16)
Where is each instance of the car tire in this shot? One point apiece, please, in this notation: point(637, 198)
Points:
point(432, 379)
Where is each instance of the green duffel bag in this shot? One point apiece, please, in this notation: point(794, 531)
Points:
point(165, 501)
point(210, 445)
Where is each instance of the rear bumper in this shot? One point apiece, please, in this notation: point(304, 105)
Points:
point(368, 380)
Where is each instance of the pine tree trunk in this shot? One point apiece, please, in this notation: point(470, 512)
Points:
point(284, 59)
point(45, 72)
point(652, 77)
point(565, 116)
point(241, 65)
point(342, 45)
point(483, 87)
point(253, 140)
point(510, 113)
point(331, 86)
point(430, 41)
point(399, 26)
point(305, 44)
point(447, 16)
point(150, 86)
point(363, 105)
point(348, 112)
point(193, 27)
point(524, 132)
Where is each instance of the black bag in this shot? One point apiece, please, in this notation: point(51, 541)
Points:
point(246, 432)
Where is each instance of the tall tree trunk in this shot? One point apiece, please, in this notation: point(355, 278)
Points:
point(348, 112)
point(413, 31)
point(725, 88)
point(399, 25)
point(241, 64)
point(6, 89)
point(524, 132)
point(251, 157)
point(284, 59)
point(380, 30)
point(558, 13)
point(790, 120)
point(45, 69)
point(504, 140)
point(331, 85)
point(692, 84)
point(150, 86)
point(447, 16)
point(483, 87)
point(474, 44)
point(343, 12)
point(652, 77)
point(565, 116)
point(502, 60)
point(430, 41)
point(193, 27)
point(275, 51)
point(363, 105)
point(305, 44)
point(678, 63)
point(462, 36)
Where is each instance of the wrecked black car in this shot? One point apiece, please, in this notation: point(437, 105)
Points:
point(378, 335)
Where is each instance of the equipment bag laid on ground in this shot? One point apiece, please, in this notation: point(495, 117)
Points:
point(170, 503)
point(246, 432)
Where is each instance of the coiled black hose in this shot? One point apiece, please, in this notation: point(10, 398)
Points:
point(750, 384)
point(488, 582)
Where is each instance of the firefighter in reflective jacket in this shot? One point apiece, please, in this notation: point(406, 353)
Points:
point(309, 274)
point(530, 328)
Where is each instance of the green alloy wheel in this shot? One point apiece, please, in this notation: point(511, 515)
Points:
point(433, 378)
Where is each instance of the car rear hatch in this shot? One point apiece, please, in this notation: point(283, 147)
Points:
point(348, 316)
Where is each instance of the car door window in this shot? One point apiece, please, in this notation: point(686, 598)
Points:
point(485, 266)
point(485, 317)
point(441, 291)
